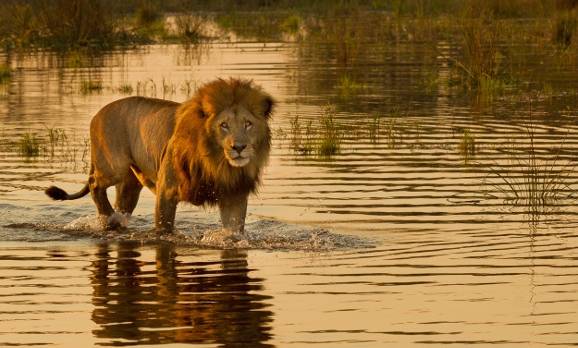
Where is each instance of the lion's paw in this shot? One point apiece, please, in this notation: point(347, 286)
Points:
point(114, 221)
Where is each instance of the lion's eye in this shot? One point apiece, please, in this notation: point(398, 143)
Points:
point(224, 126)
point(248, 124)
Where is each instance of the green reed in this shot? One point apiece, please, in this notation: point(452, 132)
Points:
point(347, 86)
point(534, 183)
point(28, 145)
point(5, 73)
point(301, 136)
point(330, 133)
point(565, 29)
point(467, 146)
point(478, 70)
point(374, 127)
point(292, 24)
point(125, 88)
point(90, 87)
point(55, 136)
point(146, 88)
point(190, 28)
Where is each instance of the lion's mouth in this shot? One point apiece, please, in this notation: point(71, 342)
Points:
point(238, 161)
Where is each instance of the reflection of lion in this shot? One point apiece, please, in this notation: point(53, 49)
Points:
point(209, 150)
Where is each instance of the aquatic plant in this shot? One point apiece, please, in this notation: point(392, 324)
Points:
point(147, 13)
point(347, 86)
point(330, 142)
point(301, 137)
point(431, 81)
point(5, 73)
point(291, 24)
point(393, 132)
point(55, 137)
point(564, 29)
point(125, 88)
point(188, 87)
point(169, 88)
point(374, 127)
point(467, 146)
point(90, 87)
point(528, 181)
point(146, 88)
point(28, 145)
point(190, 28)
point(478, 71)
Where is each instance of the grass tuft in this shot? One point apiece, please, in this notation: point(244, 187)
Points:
point(564, 29)
point(467, 146)
point(5, 73)
point(125, 88)
point(529, 182)
point(330, 142)
point(291, 24)
point(190, 28)
point(347, 86)
point(90, 87)
point(29, 145)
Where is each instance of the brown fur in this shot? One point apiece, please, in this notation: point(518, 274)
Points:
point(181, 151)
point(202, 170)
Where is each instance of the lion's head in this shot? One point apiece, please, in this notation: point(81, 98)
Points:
point(223, 137)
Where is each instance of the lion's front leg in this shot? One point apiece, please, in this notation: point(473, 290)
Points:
point(166, 200)
point(165, 211)
point(233, 210)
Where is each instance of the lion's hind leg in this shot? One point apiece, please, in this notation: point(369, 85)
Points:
point(127, 194)
point(98, 184)
point(98, 193)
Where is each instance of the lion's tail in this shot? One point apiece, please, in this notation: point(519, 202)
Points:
point(59, 194)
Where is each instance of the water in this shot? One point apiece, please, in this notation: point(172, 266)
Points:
point(400, 239)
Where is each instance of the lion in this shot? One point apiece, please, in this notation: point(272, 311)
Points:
point(209, 150)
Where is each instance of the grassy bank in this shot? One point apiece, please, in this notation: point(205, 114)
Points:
point(70, 24)
point(62, 24)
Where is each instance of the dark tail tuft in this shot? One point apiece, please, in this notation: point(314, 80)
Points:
point(56, 193)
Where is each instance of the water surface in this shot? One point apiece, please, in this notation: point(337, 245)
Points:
point(400, 239)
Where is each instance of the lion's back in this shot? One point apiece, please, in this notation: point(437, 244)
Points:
point(133, 130)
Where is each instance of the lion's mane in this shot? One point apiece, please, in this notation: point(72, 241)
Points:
point(202, 171)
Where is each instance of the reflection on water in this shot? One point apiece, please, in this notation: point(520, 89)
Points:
point(462, 288)
point(138, 302)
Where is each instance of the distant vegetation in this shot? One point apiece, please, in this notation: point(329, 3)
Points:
point(5, 74)
point(102, 24)
point(65, 24)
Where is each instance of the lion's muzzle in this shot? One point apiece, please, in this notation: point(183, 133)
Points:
point(239, 155)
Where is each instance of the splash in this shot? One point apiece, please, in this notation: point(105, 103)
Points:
point(260, 234)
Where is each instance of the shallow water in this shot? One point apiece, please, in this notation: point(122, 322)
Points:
point(399, 239)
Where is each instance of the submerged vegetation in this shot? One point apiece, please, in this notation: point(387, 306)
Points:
point(90, 87)
point(323, 138)
point(467, 146)
point(5, 74)
point(348, 87)
point(331, 136)
point(55, 146)
point(29, 145)
point(530, 181)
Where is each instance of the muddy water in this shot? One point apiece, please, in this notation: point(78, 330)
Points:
point(402, 238)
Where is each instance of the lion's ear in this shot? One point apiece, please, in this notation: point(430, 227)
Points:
point(268, 105)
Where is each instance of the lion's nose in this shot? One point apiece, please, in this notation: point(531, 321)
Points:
point(239, 147)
